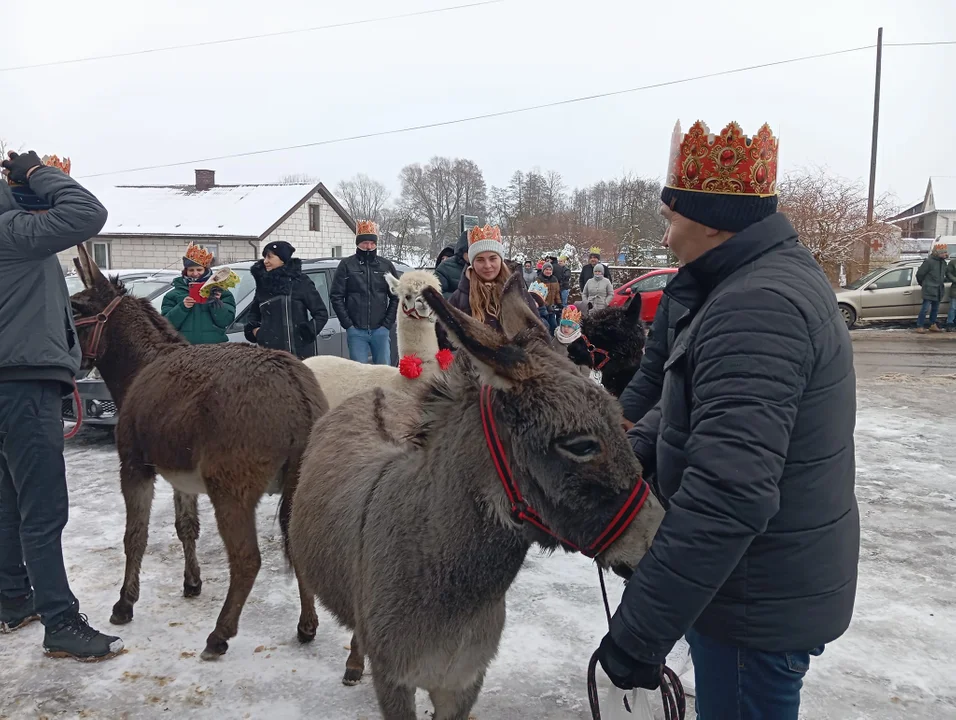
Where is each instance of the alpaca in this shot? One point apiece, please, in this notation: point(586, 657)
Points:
point(420, 358)
point(614, 336)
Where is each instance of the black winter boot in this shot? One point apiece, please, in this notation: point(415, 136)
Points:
point(14, 614)
point(74, 638)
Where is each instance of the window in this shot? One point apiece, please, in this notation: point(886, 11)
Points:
point(314, 213)
point(214, 249)
point(337, 251)
point(321, 280)
point(902, 277)
point(654, 282)
point(101, 254)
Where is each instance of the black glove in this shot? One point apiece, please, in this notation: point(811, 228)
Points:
point(624, 671)
point(19, 165)
point(306, 331)
point(215, 298)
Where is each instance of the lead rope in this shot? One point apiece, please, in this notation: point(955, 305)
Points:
point(79, 414)
point(672, 692)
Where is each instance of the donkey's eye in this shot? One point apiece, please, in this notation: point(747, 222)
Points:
point(579, 448)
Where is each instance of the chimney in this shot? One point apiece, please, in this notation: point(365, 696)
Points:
point(205, 179)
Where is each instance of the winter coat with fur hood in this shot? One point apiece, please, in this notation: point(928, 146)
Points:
point(281, 308)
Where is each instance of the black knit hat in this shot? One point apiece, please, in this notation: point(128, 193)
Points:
point(281, 249)
point(732, 213)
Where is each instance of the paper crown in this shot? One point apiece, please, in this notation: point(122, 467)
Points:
point(729, 163)
point(571, 317)
point(198, 254)
point(51, 161)
point(366, 227)
point(538, 288)
point(488, 232)
point(595, 251)
point(940, 247)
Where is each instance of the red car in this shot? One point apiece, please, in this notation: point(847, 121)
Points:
point(651, 286)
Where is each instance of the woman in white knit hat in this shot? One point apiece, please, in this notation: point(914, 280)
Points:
point(480, 289)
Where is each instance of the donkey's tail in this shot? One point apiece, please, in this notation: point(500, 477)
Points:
point(290, 476)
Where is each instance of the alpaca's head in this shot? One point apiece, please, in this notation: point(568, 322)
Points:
point(408, 289)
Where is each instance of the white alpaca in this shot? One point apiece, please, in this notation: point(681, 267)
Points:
point(340, 379)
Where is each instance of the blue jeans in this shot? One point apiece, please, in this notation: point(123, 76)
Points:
point(362, 342)
point(34, 503)
point(951, 315)
point(564, 296)
point(931, 307)
point(735, 683)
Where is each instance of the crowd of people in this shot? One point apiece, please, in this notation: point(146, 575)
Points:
point(742, 414)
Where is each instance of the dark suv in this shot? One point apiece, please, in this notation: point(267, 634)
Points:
point(98, 406)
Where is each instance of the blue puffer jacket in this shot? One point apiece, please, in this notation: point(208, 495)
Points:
point(752, 443)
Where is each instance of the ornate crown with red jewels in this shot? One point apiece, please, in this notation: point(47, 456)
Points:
point(729, 163)
point(366, 227)
point(488, 232)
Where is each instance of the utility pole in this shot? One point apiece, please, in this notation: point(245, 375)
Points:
point(876, 133)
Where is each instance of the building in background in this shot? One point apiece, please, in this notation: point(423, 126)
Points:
point(149, 225)
point(935, 215)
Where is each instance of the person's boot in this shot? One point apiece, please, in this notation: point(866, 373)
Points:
point(14, 614)
point(934, 328)
point(74, 638)
point(948, 328)
point(921, 330)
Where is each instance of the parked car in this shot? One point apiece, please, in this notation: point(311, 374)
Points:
point(887, 293)
point(74, 284)
point(98, 406)
point(651, 287)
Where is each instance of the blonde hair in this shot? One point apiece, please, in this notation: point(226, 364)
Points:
point(484, 298)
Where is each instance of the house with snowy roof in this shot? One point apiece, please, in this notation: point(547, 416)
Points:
point(935, 215)
point(149, 226)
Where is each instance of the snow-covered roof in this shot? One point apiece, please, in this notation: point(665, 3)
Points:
point(944, 192)
point(248, 211)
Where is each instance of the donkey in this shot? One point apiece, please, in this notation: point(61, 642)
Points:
point(231, 421)
point(415, 548)
point(612, 343)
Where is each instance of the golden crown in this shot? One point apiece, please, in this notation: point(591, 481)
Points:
point(595, 250)
point(199, 254)
point(366, 227)
point(54, 161)
point(572, 315)
point(488, 232)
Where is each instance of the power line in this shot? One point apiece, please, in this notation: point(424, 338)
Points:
point(513, 111)
point(243, 38)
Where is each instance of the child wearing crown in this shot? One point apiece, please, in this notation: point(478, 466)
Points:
point(201, 319)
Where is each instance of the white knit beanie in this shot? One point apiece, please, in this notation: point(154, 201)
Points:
point(485, 239)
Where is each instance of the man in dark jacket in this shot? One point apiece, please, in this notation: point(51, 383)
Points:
point(563, 272)
point(39, 357)
point(449, 272)
point(752, 445)
point(362, 301)
point(932, 278)
point(587, 272)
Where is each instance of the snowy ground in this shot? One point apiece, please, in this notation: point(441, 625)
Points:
point(896, 662)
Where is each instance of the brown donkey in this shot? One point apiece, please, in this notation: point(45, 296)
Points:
point(228, 420)
point(415, 547)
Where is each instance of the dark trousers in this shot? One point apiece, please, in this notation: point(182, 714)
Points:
point(735, 683)
point(34, 505)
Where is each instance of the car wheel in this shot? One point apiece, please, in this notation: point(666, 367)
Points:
point(849, 315)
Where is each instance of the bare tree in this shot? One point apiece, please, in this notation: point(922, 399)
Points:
point(364, 197)
point(437, 193)
point(829, 214)
point(290, 178)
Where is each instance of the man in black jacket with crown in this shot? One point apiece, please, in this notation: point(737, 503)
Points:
point(752, 447)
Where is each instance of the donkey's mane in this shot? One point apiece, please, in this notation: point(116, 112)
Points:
point(156, 321)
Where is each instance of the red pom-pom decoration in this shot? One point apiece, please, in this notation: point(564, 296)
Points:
point(445, 358)
point(410, 366)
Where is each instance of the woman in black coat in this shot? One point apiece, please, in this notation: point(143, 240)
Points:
point(287, 312)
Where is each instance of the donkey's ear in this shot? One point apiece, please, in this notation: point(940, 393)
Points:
point(499, 362)
point(392, 283)
point(89, 272)
point(633, 309)
point(516, 316)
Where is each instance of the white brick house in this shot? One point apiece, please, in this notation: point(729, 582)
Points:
point(149, 226)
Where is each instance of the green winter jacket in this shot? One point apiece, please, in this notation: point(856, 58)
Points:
point(931, 276)
point(202, 324)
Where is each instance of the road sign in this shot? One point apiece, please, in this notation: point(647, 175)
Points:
point(620, 259)
point(467, 222)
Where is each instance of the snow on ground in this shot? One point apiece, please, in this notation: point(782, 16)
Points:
point(895, 663)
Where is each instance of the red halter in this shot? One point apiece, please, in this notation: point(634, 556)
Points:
point(98, 322)
point(595, 351)
point(521, 511)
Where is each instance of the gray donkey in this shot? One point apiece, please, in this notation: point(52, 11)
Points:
point(403, 527)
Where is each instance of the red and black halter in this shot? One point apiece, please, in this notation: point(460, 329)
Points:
point(595, 353)
point(98, 321)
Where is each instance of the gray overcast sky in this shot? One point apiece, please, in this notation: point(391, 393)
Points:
point(166, 107)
